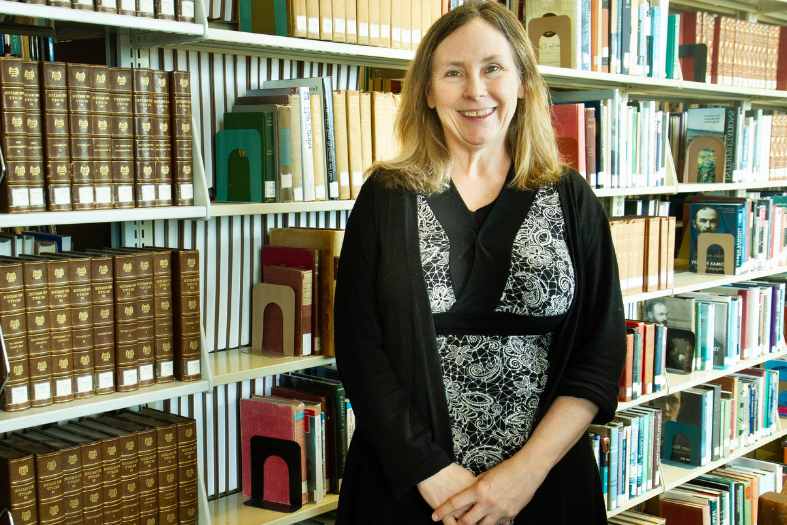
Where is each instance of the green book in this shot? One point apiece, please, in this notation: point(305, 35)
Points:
point(264, 122)
point(268, 17)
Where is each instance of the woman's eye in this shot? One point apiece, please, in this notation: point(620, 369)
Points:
point(492, 68)
point(452, 73)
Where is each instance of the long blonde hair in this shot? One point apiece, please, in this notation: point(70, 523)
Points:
point(424, 163)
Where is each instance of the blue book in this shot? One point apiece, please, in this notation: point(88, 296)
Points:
point(585, 65)
point(614, 444)
point(726, 218)
point(659, 352)
point(643, 19)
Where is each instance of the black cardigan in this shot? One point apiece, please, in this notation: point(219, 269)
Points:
point(387, 355)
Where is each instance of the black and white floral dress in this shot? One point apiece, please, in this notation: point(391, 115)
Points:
point(500, 281)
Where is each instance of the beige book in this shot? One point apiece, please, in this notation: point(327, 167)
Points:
point(351, 13)
point(378, 136)
point(295, 147)
point(313, 19)
point(405, 12)
point(340, 136)
point(286, 158)
point(297, 22)
point(354, 140)
point(374, 23)
point(318, 148)
point(326, 20)
point(395, 8)
point(362, 16)
point(339, 13)
point(415, 23)
point(366, 131)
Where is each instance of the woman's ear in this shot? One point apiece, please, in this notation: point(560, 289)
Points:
point(429, 99)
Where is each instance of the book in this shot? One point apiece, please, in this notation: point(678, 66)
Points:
point(721, 227)
point(273, 418)
point(342, 144)
point(186, 315)
point(268, 17)
point(289, 155)
point(569, 123)
point(264, 122)
point(18, 493)
point(304, 259)
point(328, 242)
point(300, 280)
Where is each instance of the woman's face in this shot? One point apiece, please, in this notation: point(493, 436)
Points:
point(474, 87)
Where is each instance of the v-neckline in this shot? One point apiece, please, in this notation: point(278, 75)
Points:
point(492, 244)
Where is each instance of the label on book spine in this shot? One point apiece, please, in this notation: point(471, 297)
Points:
point(130, 377)
point(344, 178)
point(270, 189)
point(334, 188)
point(18, 395)
point(187, 9)
point(286, 180)
point(314, 25)
point(327, 25)
point(20, 197)
point(300, 23)
point(385, 31)
point(125, 193)
point(319, 192)
point(106, 379)
point(374, 30)
point(36, 196)
point(84, 383)
point(165, 192)
point(63, 387)
point(103, 194)
point(338, 24)
point(193, 367)
point(363, 29)
point(168, 7)
point(146, 372)
point(42, 391)
point(62, 195)
point(167, 369)
point(187, 190)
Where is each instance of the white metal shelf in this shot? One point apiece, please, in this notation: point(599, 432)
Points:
point(230, 510)
point(100, 19)
point(625, 405)
point(674, 475)
point(10, 421)
point(238, 364)
point(686, 281)
point(633, 502)
point(223, 209)
point(728, 186)
point(98, 216)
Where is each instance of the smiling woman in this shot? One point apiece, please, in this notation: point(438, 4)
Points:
point(478, 319)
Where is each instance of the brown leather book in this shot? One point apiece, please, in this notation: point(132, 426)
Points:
point(80, 117)
point(101, 127)
point(181, 111)
point(122, 126)
point(17, 485)
point(49, 477)
point(14, 190)
point(92, 472)
point(187, 462)
point(147, 464)
point(14, 327)
point(34, 134)
point(72, 473)
point(167, 467)
point(186, 299)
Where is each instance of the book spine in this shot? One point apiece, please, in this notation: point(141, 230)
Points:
point(186, 315)
point(182, 163)
point(57, 151)
point(101, 130)
point(15, 395)
point(269, 161)
point(146, 321)
point(145, 132)
point(33, 126)
point(14, 192)
point(80, 131)
point(122, 135)
point(126, 329)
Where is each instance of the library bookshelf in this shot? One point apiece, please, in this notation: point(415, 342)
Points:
point(214, 57)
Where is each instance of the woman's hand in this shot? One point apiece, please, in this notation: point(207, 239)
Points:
point(441, 486)
point(498, 496)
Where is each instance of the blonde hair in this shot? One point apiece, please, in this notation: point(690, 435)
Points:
point(424, 164)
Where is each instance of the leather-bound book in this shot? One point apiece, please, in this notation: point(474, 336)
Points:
point(16, 394)
point(101, 125)
point(181, 111)
point(92, 472)
point(145, 129)
point(186, 314)
point(147, 465)
point(81, 136)
point(18, 485)
point(129, 466)
point(34, 134)
point(167, 463)
point(122, 126)
point(301, 281)
point(72, 474)
point(49, 477)
point(188, 507)
point(57, 150)
point(110, 468)
point(14, 191)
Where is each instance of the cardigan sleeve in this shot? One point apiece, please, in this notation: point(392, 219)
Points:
point(598, 352)
point(395, 429)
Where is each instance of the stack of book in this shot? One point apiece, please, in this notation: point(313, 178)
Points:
point(79, 324)
point(104, 138)
point(645, 249)
point(315, 394)
point(98, 470)
point(646, 352)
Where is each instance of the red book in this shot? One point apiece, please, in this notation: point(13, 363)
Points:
point(626, 376)
point(690, 33)
point(274, 418)
point(639, 357)
point(301, 281)
point(569, 123)
point(307, 260)
point(590, 146)
point(679, 512)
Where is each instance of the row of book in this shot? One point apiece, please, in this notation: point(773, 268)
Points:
point(718, 144)
point(27, 47)
point(309, 408)
point(32, 243)
point(130, 467)
point(78, 324)
point(83, 137)
point(725, 495)
point(735, 235)
point(645, 250)
point(645, 371)
point(175, 10)
point(721, 326)
point(312, 143)
point(380, 23)
point(614, 143)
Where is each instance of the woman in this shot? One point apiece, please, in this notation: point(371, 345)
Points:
point(478, 319)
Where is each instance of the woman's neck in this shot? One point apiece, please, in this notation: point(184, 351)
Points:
point(479, 183)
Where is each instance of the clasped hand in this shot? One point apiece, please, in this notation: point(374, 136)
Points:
point(493, 498)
